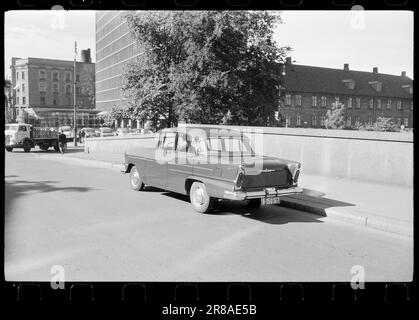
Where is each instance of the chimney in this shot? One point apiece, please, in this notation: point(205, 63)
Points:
point(403, 74)
point(85, 56)
point(346, 67)
point(375, 70)
point(288, 60)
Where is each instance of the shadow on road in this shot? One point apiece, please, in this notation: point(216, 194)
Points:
point(51, 150)
point(268, 214)
point(17, 188)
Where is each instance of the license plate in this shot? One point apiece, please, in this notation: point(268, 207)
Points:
point(273, 200)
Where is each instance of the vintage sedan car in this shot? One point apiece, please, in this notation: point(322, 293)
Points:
point(210, 164)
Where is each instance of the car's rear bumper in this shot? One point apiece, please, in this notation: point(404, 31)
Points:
point(243, 195)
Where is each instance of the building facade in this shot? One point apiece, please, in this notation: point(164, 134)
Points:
point(311, 91)
point(45, 88)
point(115, 47)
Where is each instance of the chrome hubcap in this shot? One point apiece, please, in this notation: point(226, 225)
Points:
point(199, 196)
point(135, 178)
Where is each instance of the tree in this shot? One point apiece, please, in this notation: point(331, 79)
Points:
point(384, 124)
point(198, 66)
point(335, 117)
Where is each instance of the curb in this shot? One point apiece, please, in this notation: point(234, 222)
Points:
point(347, 215)
point(293, 202)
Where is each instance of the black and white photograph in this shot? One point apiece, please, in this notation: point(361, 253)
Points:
point(208, 146)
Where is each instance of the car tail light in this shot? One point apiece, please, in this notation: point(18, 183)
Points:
point(239, 179)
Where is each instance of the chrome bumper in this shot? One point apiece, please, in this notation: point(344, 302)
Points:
point(242, 195)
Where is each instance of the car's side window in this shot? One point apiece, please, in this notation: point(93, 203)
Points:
point(198, 145)
point(182, 143)
point(169, 141)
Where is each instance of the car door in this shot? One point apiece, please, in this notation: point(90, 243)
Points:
point(180, 168)
point(156, 169)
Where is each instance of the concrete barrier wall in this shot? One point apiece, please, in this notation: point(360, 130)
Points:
point(383, 157)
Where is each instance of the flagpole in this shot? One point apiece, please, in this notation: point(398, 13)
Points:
point(74, 94)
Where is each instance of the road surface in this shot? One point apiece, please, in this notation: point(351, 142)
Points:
point(91, 223)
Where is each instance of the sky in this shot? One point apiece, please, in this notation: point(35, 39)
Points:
point(364, 39)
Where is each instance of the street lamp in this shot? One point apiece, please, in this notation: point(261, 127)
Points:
point(74, 94)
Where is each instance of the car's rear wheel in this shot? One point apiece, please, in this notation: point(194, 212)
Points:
point(254, 203)
point(136, 182)
point(44, 146)
point(200, 199)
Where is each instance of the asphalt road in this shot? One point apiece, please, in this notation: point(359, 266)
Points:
point(89, 221)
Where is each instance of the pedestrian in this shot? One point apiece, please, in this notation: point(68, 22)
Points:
point(83, 135)
point(62, 141)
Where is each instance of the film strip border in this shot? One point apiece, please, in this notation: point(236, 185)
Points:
point(209, 4)
point(268, 294)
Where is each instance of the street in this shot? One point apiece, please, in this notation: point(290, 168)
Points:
point(89, 221)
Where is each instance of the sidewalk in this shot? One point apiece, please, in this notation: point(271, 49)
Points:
point(379, 206)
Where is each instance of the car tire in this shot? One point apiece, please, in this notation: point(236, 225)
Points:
point(44, 147)
point(199, 197)
point(27, 146)
point(135, 180)
point(254, 203)
point(9, 149)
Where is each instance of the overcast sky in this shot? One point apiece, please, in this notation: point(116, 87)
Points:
point(382, 39)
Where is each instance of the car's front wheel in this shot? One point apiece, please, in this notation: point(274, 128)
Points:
point(200, 199)
point(9, 149)
point(135, 179)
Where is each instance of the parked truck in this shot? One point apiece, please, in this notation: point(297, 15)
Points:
point(26, 136)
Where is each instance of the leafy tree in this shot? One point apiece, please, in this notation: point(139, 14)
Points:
point(204, 67)
point(384, 124)
point(335, 117)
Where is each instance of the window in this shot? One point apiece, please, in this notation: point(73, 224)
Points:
point(42, 97)
point(370, 120)
point(358, 103)
point(55, 75)
point(182, 142)
point(24, 100)
point(287, 99)
point(378, 103)
point(358, 119)
point(389, 104)
point(68, 89)
point(349, 104)
point(42, 87)
point(411, 106)
point(399, 105)
point(77, 78)
point(23, 75)
point(67, 76)
point(324, 101)
point(298, 123)
point(23, 87)
point(314, 121)
point(55, 87)
point(406, 122)
point(54, 101)
point(399, 121)
point(17, 100)
point(348, 121)
point(169, 141)
point(371, 104)
point(77, 90)
point(17, 75)
point(298, 100)
point(42, 75)
point(314, 101)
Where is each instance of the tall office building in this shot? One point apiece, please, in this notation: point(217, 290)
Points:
point(114, 48)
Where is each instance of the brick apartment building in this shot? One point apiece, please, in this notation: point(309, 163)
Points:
point(311, 91)
point(45, 87)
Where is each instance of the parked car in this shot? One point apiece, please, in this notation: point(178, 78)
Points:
point(67, 130)
point(89, 132)
point(105, 132)
point(209, 165)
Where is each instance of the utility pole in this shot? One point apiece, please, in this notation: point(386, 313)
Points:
point(74, 94)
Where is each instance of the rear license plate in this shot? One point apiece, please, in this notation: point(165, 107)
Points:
point(267, 201)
